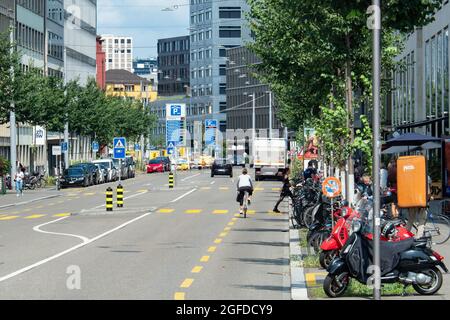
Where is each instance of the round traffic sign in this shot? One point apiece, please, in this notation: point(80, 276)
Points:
point(331, 187)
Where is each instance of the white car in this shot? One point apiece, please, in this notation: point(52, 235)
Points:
point(112, 172)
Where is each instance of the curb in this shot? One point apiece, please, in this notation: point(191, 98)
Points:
point(299, 290)
point(30, 201)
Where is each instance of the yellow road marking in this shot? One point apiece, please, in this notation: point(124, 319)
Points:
point(9, 218)
point(212, 249)
point(276, 189)
point(224, 188)
point(193, 211)
point(197, 269)
point(186, 283)
point(310, 279)
point(179, 296)
point(204, 259)
point(220, 211)
point(141, 191)
point(272, 213)
point(251, 211)
point(166, 210)
point(217, 241)
point(61, 215)
point(223, 234)
point(231, 223)
point(35, 216)
point(227, 229)
point(234, 219)
point(237, 214)
point(259, 189)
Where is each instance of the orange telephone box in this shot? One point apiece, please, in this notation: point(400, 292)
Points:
point(412, 182)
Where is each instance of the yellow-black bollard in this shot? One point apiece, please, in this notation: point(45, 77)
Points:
point(170, 180)
point(119, 196)
point(109, 199)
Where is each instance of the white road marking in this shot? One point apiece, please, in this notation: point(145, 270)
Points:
point(212, 182)
point(184, 195)
point(195, 175)
point(37, 229)
point(84, 243)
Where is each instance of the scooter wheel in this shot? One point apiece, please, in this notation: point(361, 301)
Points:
point(435, 285)
point(336, 285)
point(326, 257)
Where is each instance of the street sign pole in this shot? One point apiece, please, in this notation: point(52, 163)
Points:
point(120, 170)
point(376, 30)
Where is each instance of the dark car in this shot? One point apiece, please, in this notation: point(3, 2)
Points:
point(92, 168)
point(75, 176)
point(221, 167)
point(166, 162)
point(129, 162)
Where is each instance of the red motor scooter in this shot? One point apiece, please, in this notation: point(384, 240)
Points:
point(333, 244)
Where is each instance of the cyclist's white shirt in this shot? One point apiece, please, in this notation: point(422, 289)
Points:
point(244, 180)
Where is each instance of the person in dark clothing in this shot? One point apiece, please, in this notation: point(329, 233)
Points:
point(310, 172)
point(285, 191)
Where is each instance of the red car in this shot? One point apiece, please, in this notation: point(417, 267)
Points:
point(155, 166)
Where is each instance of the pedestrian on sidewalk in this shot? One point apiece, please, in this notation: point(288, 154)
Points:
point(18, 179)
point(285, 191)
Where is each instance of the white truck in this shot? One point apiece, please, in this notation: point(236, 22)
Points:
point(269, 157)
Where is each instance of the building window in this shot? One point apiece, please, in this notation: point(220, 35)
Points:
point(230, 32)
point(222, 88)
point(229, 12)
point(223, 69)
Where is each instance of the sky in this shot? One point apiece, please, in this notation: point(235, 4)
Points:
point(144, 20)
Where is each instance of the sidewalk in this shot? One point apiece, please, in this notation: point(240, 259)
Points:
point(10, 199)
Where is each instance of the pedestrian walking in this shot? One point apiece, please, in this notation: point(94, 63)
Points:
point(18, 179)
point(285, 191)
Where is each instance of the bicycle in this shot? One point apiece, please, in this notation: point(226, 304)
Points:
point(245, 203)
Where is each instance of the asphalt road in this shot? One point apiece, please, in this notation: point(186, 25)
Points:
point(184, 243)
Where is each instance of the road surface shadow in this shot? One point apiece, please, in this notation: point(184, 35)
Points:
point(126, 251)
point(264, 243)
point(277, 262)
point(262, 287)
point(261, 230)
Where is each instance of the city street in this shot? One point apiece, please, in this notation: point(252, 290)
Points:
point(184, 243)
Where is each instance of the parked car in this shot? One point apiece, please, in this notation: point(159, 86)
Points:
point(75, 176)
point(123, 170)
point(155, 165)
point(131, 166)
point(182, 164)
point(113, 174)
point(166, 161)
point(221, 167)
point(94, 170)
point(103, 172)
point(89, 172)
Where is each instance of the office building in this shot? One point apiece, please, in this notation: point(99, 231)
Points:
point(80, 34)
point(215, 26)
point(420, 98)
point(119, 52)
point(173, 65)
point(241, 85)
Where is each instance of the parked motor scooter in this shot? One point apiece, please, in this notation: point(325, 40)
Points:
point(409, 262)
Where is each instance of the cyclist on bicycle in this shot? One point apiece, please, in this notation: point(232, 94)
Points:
point(244, 184)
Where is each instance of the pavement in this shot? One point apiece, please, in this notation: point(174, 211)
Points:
point(186, 243)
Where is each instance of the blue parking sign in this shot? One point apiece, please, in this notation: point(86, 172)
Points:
point(95, 146)
point(64, 146)
point(175, 110)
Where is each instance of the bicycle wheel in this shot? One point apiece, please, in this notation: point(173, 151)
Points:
point(245, 204)
point(438, 226)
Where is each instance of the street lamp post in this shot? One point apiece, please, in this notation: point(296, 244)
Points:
point(270, 115)
point(376, 29)
point(12, 114)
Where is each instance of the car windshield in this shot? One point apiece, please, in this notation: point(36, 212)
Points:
point(220, 161)
point(182, 161)
point(73, 172)
point(102, 163)
point(154, 161)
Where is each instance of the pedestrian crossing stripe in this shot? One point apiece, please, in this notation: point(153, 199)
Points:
point(251, 211)
point(186, 283)
point(211, 249)
point(224, 188)
point(311, 278)
point(272, 213)
point(35, 216)
point(61, 215)
point(9, 217)
point(223, 234)
point(205, 188)
point(259, 189)
point(204, 259)
point(276, 189)
point(217, 241)
point(197, 269)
